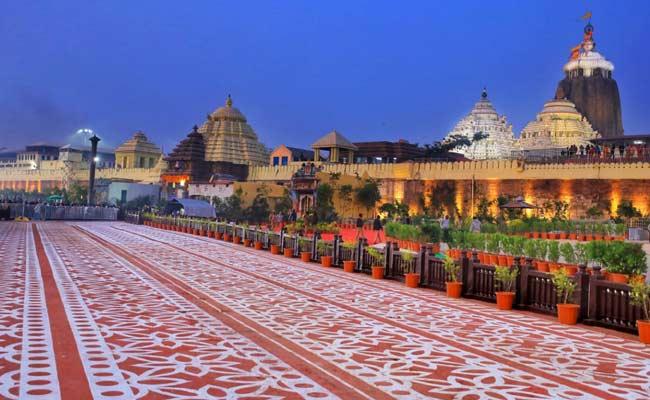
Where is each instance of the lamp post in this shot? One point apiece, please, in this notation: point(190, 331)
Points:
point(94, 140)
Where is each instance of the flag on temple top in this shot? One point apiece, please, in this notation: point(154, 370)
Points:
point(587, 15)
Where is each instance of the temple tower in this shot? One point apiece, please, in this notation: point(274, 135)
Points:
point(588, 83)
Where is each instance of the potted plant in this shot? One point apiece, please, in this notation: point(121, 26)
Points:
point(564, 287)
point(622, 260)
point(640, 296)
point(411, 278)
point(349, 265)
point(542, 250)
point(377, 261)
point(275, 249)
point(493, 249)
point(288, 252)
point(530, 249)
point(454, 288)
point(303, 242)
point(553, 255)
point(505, 279)
point(569, 256)
point(322, 247)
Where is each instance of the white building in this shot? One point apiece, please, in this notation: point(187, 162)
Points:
point(484, 118)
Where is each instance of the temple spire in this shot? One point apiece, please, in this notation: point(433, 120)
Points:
point(229, 101)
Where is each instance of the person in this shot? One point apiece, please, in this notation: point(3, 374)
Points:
point(359, 225)
point(280, 220)
point(377, 228)
point(444, 224)
point(271, 220)
point(407, 220)
point(37, 211)
point(293, 216)
point(476, 225)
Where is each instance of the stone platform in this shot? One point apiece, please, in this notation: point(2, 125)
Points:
point(116, 311)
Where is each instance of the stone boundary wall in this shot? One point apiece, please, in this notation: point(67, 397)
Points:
point(493, 169)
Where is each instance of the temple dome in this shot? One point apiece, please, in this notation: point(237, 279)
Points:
point(484, 118)
point(138, 143)
point(558, 125)
point(229, 138)
point(589, 61)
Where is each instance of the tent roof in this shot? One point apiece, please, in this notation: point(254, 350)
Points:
point(518, 203)
point(196, 208)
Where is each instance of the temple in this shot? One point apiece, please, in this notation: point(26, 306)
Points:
point(589, 84)
point(558, 125)
point(228, 137)
point(484, 119)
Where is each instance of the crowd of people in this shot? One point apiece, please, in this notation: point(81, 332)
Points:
point(607, 152)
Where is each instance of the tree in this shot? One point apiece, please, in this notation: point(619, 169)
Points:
point(284, 204)
point(394, 209)
point(483, 210)
point(368, 195)
point(345, 197)
point(230, 208)
point(259, 209)
point(324, 205)
point(627, 210)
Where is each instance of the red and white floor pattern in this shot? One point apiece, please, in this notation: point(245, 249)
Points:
point(117, 311)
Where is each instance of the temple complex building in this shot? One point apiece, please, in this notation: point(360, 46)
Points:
point(558, 125)
point(484, 119)
point(589, 84)
point(137, 152)
point(229, 138)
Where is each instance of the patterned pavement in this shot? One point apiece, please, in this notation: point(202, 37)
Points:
point(118, 311)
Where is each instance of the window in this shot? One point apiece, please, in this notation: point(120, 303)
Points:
point(276, 161)
point(285, 160)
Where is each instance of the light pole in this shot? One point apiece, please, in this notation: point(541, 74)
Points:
point(94, 140)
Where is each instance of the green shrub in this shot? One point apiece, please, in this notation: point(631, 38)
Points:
point(640, 296)
point(564, 285)
point(553, 251)
point(566, 250)
point(451, 268)
point(505, 278)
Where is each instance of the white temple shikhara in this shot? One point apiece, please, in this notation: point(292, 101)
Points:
point(484, 118)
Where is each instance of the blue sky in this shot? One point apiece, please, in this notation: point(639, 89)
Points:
point(374, 70)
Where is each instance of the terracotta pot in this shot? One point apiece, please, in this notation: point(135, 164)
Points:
point(573, 236)
point(563, 235)
point(481, 257)
point(503, 260)
point(494, 259)
point(259, 245)
point(305, 256)
point(412, 280)
point(543, 235)
point(618, 278)
point(218, 235)
point(275, 249)
point(644, 331)
point(505, 300)
point(227, 237)
point(535, 235)
point(542, 266)
point(326, 261)
point(553, 267)
point(236, 239)
point(571, 269)
point(210, 234)
point(349, 266)
point(510, 260)
point(568, 313)
point(377, 272)
point(202, 232)
point(528, 235)
point(454, 289)
point(288, 253)
point(247, 242)
point(598, 236)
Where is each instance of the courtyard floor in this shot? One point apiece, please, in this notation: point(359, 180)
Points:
point(117, 311)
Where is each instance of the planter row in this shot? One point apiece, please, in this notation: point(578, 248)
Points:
point(597, 301)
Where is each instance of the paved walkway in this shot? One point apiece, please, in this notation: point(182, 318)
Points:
point(117, 311)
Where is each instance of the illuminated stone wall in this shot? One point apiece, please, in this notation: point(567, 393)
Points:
point(582, 185)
